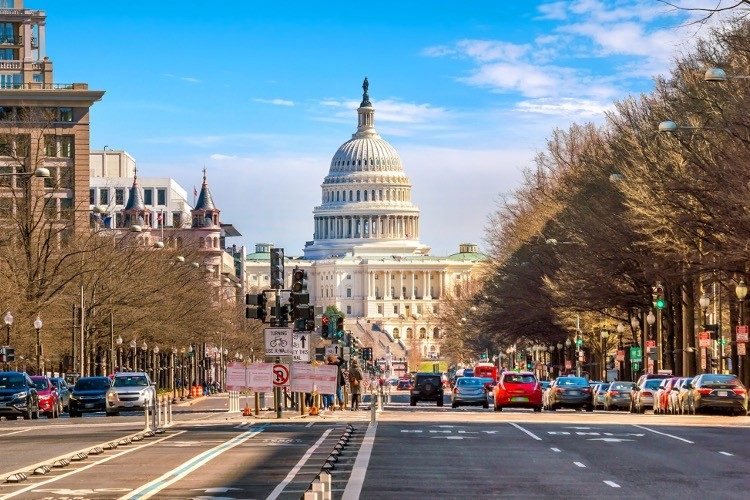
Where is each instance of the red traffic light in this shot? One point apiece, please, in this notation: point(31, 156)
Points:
point(325, 320)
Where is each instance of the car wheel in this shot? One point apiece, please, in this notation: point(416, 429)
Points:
point(27, 415)
point(589, 408)
point(537, 409)
point(440, 402)
point(412, 402)
point(454, 405)
point(12, 417)
point(73, 414)
point(35, 415)
point(486, 405)
point(115, 413)
point(552, 408)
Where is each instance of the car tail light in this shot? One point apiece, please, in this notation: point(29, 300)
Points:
point(587, 389)
point(613, 393)
point(647, 393)
point(704, 392)
point(558, 390)
point(740, 391)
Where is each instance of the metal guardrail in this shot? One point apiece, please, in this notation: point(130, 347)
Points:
point(44, 86)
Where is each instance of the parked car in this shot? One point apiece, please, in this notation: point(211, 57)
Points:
point(63, 392)
point(717, 392)
point(18, 396)
point(49, 400)
point(673, 398)
point(597, 394)
point(618, 396)
point(518, 390)
point(427, 387)
point(404, 384)
point(682, 396)
point(570, 392)
point(642, 396)
point(129, 391)
point(89, 395)
point(469, 391)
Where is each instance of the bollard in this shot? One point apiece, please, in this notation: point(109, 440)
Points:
point(325, 478)
point(169, 419)
point(257, 402)
point(319, 488)
point(389, 394)
point(146, 417)
point(373, 409)
point(312, 495)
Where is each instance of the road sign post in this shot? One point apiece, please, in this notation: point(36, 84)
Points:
point(278, 341)
point(301, 347)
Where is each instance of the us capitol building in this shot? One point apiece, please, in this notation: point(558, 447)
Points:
point(366, 257)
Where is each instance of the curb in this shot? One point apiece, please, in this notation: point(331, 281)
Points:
point(190, 402)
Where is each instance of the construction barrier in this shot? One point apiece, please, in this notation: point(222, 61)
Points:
point(234, 401)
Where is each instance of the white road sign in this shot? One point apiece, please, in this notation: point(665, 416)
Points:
point(301, 347)
point(333, 349)
point(303, 377)
point(278, 341)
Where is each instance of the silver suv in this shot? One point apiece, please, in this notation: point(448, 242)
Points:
point(130, 391)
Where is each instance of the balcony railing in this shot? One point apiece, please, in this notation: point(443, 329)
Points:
point(11, 40)
point(10, 65)
point(44, 86)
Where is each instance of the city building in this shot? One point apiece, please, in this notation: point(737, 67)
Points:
point(112, 174)
point(43, 123)
point(366, 258)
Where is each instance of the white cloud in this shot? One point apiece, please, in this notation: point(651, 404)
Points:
point(189, 79)
point(438, 51)
point(553, 11)
point(566, 106)
point(276, 102)
point(492, 50)
point(222, 157)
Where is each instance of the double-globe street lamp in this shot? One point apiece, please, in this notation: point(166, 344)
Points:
point(38, 328)
point(650, 320)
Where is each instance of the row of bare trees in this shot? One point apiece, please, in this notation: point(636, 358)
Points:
point(611, 211)
point(52, 262)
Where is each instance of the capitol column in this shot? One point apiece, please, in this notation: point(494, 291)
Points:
point(400, 293)
point(427, 294)
point(387, 285)
point(441, 281)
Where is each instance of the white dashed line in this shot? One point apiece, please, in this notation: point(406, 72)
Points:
point(310, 424)
point(664, 434)
point(726, 453)
point(556, 450)
point(612, 484)
point(579, 464)
point(525, 430)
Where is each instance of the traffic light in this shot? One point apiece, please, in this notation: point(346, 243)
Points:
point(255, 306)
point(283, 318)
point(339, 328)
point(299, 299)
point(367, 353)
point(324, 326)
point(277, 268)
point(658, 295)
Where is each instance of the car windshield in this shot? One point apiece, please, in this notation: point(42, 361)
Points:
point(711, 380)
point(622, 386)
point(517, 378)
point(130, 381)
point(41, 384)
point(603, 388)
point(572, 381)
point(470, 382)
point(652, 383)
point(92, 384)
point(11, 381)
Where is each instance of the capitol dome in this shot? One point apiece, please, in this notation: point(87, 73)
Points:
point(366, 198)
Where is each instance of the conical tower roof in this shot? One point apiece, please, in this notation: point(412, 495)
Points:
point(135, 198)
point(205, 200)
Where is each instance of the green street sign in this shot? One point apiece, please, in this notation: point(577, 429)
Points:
point(579, 342)
point(636, 353)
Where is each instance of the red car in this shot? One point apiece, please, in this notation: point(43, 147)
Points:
point(518, 390)
point(49, 400)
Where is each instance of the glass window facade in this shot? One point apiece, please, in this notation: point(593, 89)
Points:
point(148, 196)
point(66, 114)
point(161, 196)
point(119, 196)
point(104, 196)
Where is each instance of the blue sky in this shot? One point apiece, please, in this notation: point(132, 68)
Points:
point(263, 93)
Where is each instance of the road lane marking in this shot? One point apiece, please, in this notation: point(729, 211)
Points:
point(579, 464)
point(86, 467)
point(556, 450)
point(357, 478)
point(302, 461)
point(664, 434)
point(612, 484)
point(525, 430)
point(310, 424)
point(165, 480)
point(726, 453)
point(16, 432)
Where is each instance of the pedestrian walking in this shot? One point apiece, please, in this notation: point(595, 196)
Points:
point(329, 401)
point(355, 382)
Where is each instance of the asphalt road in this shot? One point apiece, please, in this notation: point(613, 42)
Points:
point(412, 452)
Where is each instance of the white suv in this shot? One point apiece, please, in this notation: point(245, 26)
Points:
point(130, 391)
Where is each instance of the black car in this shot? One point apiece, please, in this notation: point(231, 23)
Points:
point(427, 387)
point(63, 391)
point(711, 391)
point(89, 395)
point(18, 396)
point(570, 392)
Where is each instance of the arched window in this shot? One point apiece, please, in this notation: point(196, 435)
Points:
point(358, 193)
point(201, 242)
point(351, 198)
point(337, 196)
point(393, 291)
point(372, 195)
point(435, 333)
point(365, 193)
point(423, 333)
point(396, 335)
point(409, 333)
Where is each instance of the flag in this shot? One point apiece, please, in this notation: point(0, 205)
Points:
point(195, 191)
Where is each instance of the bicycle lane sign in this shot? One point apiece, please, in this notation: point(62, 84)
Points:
point(278, 341)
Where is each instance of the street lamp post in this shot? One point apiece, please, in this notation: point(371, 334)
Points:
point(620, 364)
point(182, 374)
point(741, 292)
point(156, 367)
point(651, 319)
point(38, 328)
point(118, 341)
point(704, 302)
point(191, 357)
point(144, 353)
point(134, 359)
point(172, 360)
point(604, 334)
point(8, 319)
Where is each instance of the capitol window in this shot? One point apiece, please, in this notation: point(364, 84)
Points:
point(348, 309)
point(380, 309)
point(348, 293)
point(365, 195)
